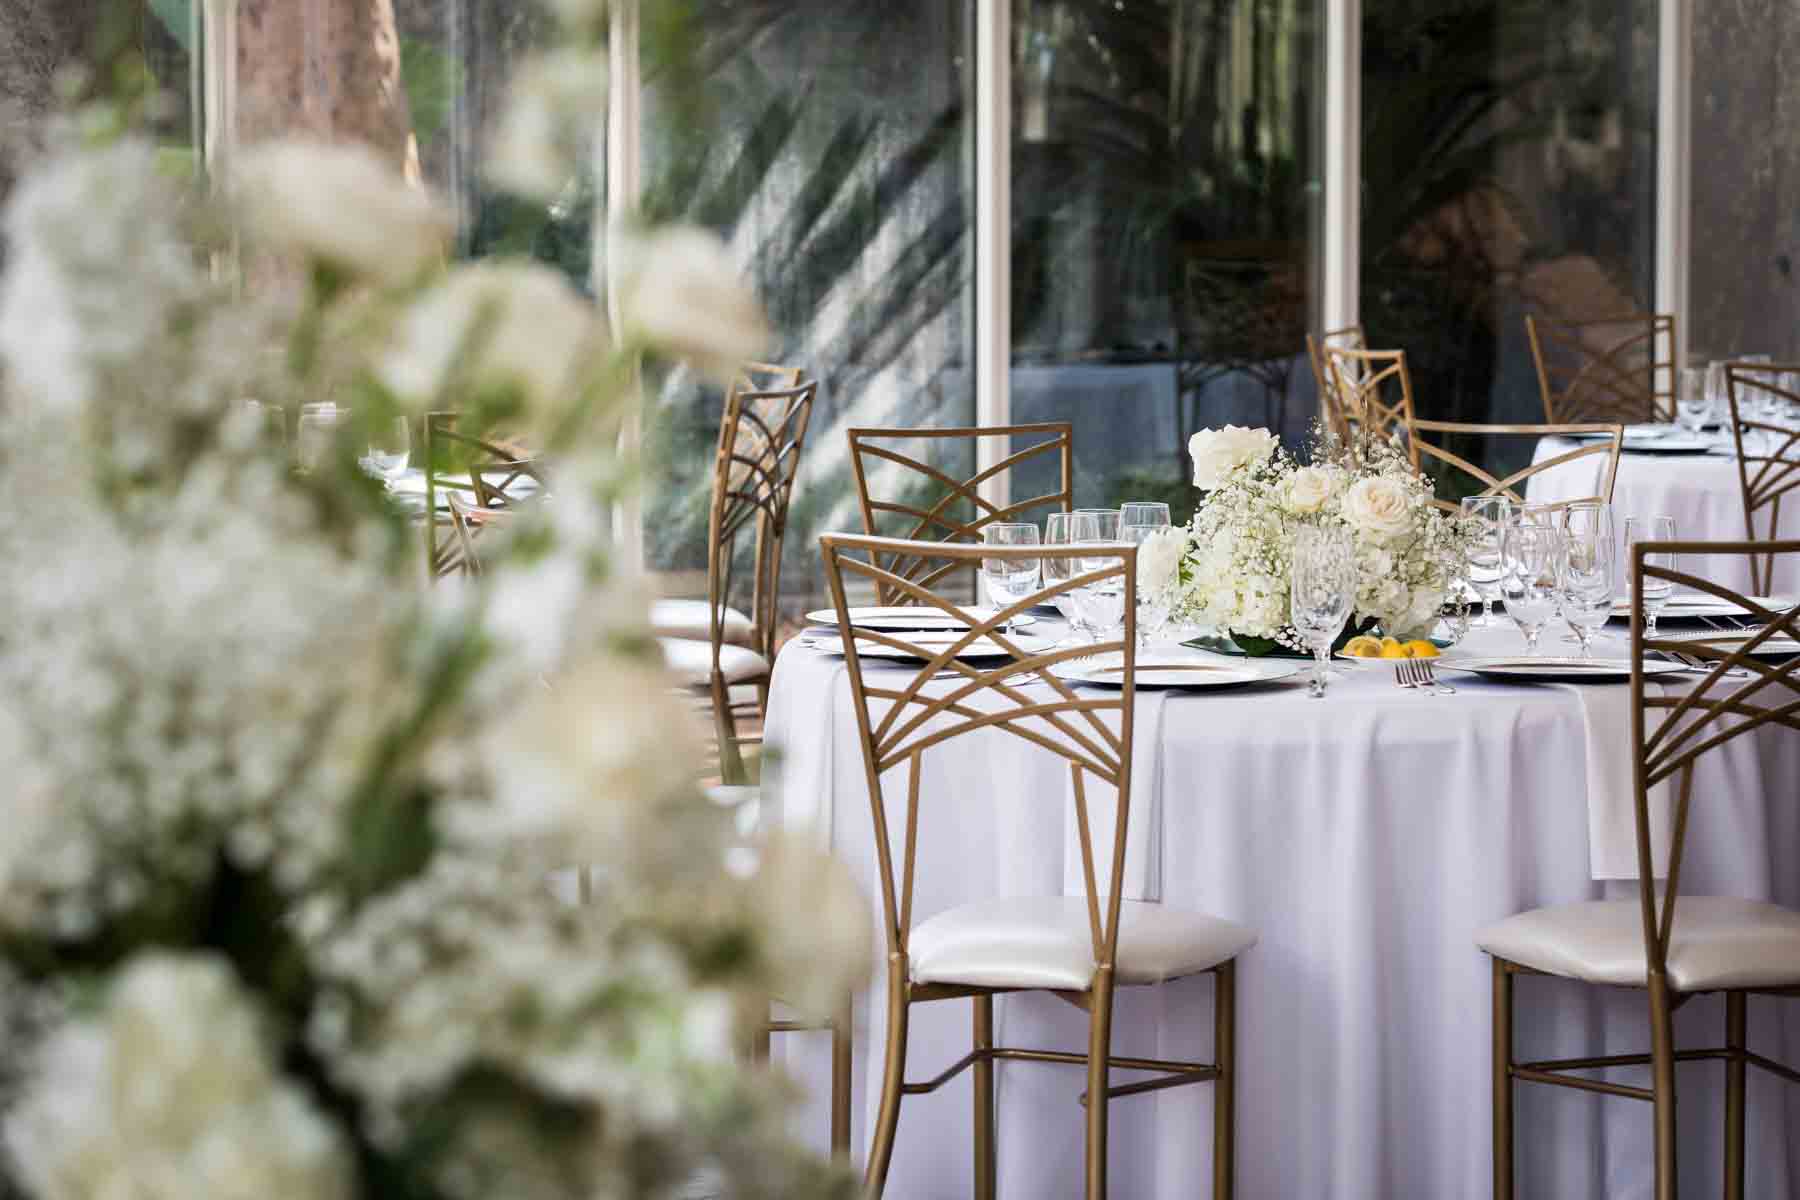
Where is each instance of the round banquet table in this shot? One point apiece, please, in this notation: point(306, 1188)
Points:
point(1701, 491)
point(1366, 839)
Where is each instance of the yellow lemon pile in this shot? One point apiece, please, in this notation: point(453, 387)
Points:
point(1387, 647)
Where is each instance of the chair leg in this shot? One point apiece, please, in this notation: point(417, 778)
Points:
point(985, 1173)
point(1662, 1052)
point(1503, 1085)
point(893, 1077)
point(731, 760)
point(843, 1028)
point(1099, 1058)
point(1225, 1086)
point(1734, 1097)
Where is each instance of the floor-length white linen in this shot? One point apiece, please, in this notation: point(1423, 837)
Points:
point(1365, 839)
point(1701, 492)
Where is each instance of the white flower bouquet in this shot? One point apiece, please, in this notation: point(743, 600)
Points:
point(1233, 574)
point(276, 914)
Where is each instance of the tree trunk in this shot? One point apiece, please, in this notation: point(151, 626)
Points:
point(322, 68)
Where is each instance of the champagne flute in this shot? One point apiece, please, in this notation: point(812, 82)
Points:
point(1655, 592)
point(1010, 580)
point(1485, 564)
point(1529, 586)
point(1320, 589)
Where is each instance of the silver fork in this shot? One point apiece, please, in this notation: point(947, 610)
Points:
point(1418, 673)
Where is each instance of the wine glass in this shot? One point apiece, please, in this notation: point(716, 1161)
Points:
point(1485, 565)
point(1010, 580)
point(390, 448)
point(1139, 520)
point(1586, 584)
point(1692, 404)
point(1059, 530)
point(1102, 605)
point(1655, 592)
point(1143, 512)
point(1320, 589)
point(1528, 587)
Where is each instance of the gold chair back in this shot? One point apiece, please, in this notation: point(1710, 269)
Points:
point(1768, 457)
point(1350, 337)
point(1672, 729)
point(959, 512)
point(1440, 459)
point(1605, 368)
point(901, 714)
point(1371, 391)
point(460, 462)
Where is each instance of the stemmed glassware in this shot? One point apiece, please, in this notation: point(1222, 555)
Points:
point(390, 448)
point(1010, 580)
point(1529, 586)
point(313, 435)
point(1657, 592)
point(1486, 565)
point(1693, 405)
point(1059, 530)
point(1320, 592)
point(1101, 605)
point(1586, 583)
point(1139, 520)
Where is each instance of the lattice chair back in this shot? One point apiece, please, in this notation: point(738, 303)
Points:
point(1672, 727)
point(1768, 454)
point(931, 505)
point(1438, 458)
point(496, 473)
point(936, 697)
point(1606, 368)
point(1331, 413)
point(1372, 393)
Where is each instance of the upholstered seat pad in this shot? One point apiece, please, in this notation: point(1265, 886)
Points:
point(1044, 942)
point(1717, 942)
point(692, 662)
point(690, 619)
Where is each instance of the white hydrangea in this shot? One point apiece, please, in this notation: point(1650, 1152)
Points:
point(546, 132)
point(171, 1094)
point(678, 292)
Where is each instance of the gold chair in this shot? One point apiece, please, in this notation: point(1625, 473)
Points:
point(1350, 337)
point(933, 506)
point(1769, 470)
point(497, 473)
point(1606, 368)
point(1429, 455)
point(1361, 386)
point(1078, 949)
point(1671, 945)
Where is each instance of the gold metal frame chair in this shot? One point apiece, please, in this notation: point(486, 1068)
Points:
point(1358, 379)
point(938, 522)
point(492, 472)
point(1350, 337)
point(1721, 707)
point(1580, 381)
point(1425, 453)
point(898, 721)
point(1763, 478)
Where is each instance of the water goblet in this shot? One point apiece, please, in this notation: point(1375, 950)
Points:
point(1059, 530)
point(1484, 566)
point(390, 449)
point(1586, 585)
point(1010, 580)
point(1655, 593)
point(1102, 605)
point(314, 434)
point(1692, 404)
point(1528, 588)
point(1139, 521)
point(1320, 590)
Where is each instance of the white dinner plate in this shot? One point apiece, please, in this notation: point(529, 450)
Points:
point(1174, 672)
point(1683, 607)
point(1668, 443)
point(1524, 668)
point(929, 643)
point(908, 617)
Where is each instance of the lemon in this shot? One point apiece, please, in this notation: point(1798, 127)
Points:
point(1420, 648)
point(1363, 647)
point(1395, 651)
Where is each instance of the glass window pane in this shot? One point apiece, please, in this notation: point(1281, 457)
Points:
point(1165, 199)
point(1509, 168)
point(829, 143)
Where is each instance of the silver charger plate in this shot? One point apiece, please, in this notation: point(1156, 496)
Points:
point(902, 617)
point(1779, 646)
point(1525, 668)
point(1682, 607)
point(1181, 673)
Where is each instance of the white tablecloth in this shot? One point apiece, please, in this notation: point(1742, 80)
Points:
point(1701, 491)
point(1365, 838)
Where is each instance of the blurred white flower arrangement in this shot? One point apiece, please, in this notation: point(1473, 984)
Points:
point(275, 915)
point(1233, 574)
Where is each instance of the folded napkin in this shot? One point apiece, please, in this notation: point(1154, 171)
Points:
point(1144, 831)
point(1612, 807)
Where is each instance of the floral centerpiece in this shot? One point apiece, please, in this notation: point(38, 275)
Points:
point(1232, 573)
point(282, 822)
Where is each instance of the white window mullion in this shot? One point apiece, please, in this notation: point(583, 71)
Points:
point(622, 185)
point(1674, 117)
point(993, 234)
point(1338, 302)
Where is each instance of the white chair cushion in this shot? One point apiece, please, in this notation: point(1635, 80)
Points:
point(692, 662)
point(689, 619)
point(1717, 942)
point(1043, 942)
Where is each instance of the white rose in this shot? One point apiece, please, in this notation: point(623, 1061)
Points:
point(1308, 490)
point(535, 331)
point(1379, 507)
point(1219, 452)
point(342, 205)
point(679, 291)
point(1159, 560)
